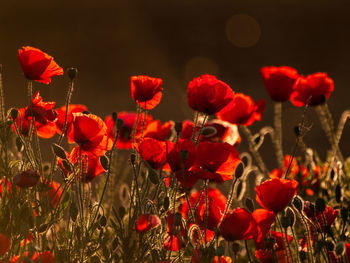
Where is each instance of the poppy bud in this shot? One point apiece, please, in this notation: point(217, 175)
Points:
point(59, 151)
point(291, 216)
point(26, 178)
point(67, 165)
point(121, 211)
point(73, 211)
point(338, 193)
point(344, 213)
point(330, 245)
point(239, 170)
point(120, 123)
point(166, 203)
point(329, 231)
point(132, 158)
point(340, 249)
point(19, 144)
point(239, 189)
point(285, 222)
point(297, 130)
point(249, 204)
point(320, 205)
point(178, 127)
point(14, 113)
point(104, 162)
point(114, 117)
point(72, 73)
point(103, 221)
point(298, 203)
point(177, 219)
point(332, 174)
point(153, 176)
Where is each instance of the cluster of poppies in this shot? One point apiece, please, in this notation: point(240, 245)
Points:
point(185, 152)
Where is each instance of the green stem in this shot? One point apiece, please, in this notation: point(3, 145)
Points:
point(206, 212)
point(2, 100)
point(247, 249)
point(285, 240)
point(201, 128)
point(278, 132)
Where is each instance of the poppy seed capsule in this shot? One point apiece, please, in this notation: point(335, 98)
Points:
point(26, 178)
point(72, 73)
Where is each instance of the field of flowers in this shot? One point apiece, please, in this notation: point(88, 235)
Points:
point(128, 188)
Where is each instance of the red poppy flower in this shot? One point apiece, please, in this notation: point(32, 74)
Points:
point(207, 94)
point(43, 257)
point(26, 178)
point(224, 132)
point(174, 154)
point(147, 222)
point(275, 194)
point(330, 215)
point(90, 132)
point(175, 233)
point(2, 182)
point(93, 169)
point(315, 88)
point(199, 238)
point(279, 81)
point(222, 259)
point(247, 229)
point(44, 116)
point(146, 91)
point(124, 140)
point(61, 115)
point(215, 161)
point(266, 256)
point(153, 152)
point(216, 207)
point(158, 131)
point(242, 110)
point(37, 65)
point(5, 244)
point(264, 218)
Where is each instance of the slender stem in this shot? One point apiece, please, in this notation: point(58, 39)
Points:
point(230, 199)
point(295, 243)
point(2, 96)
point(285, 240)
point(206, 212)
point(247, 249)
point(253, 150)
point(201, 128)
point(278, 132)
point(196, 115)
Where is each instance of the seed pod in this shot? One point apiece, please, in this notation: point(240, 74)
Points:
point(67, 165)
point(72, 73)
point(338, 193)
point(19, 144)
point(178, 127)
point(208, 131)
point(73, 211)
point(14, 113)
point(291, 216)
point(298, 203)
point(239, 170)
point(285, 222)
point(153, 176)
point(114, 116)
point(320, 205)
point(344, 213)
point(104, 162)
point(166, 203)
point(59, 151)
point(120, 123)
point(340, 249)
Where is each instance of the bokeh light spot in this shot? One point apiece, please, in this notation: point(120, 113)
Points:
point(242, 30)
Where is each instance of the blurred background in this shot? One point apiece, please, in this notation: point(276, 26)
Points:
point(111, 40)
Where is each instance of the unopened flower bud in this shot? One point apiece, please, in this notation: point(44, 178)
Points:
point(19, 144)
point(132, 158)
point(153, 176)
point(297, 131)
point(320, 205)
point(177, 219)
point(178, 127)
point(14, 113)
point(114, 116)
point(208, 131)
point(239, 170)
point(285, 222)
point(249, 204)
point(291, 216)
point(72, 73)
point(120, 123)
point(338, 194)
point(104, 162)
point(59, 151)
point(166, 203)
point(344, 213)
point(298, 203)
point(330, 245)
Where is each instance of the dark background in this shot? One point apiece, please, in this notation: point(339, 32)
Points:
point(109, 41)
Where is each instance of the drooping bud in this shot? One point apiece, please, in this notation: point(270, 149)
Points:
point(72, 73)
point(298, 203)
point(291, 216)
point(249, 204)
point(59, 151)
point(338, 194)
point(177, 219)
point(14, 113)
point(239, 170)
point(344, 213)
point(166, 203)
point(285, 222)
point(178, 127)
point(208, 131)
point(320, 205)
point(19, 144)
point(153, 176)
point(114, 116)
point(73, 211)
point(104, 162)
